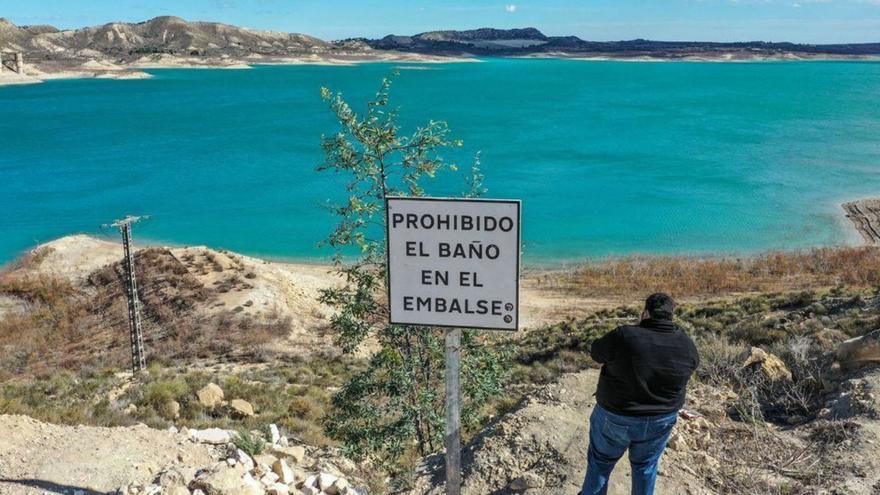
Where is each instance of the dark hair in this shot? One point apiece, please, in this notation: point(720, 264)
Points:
point(660, 306)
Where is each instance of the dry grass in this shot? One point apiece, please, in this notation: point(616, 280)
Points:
point(64, 325)
point(695, 276)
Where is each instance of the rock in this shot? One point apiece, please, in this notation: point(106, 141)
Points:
point(176, 476)
point(525, 482)
point(278, 489)
point(326, 480)
point(339, 487)
point(709, 461)
point(210, 396)
point(296, 454)
point(860, 351)
point(220, 480)
point(130, 410)
point(345, 465)
point(244, 459)
point(311, 481)
point(213, 436)
point(241, 408)
point(677, 442)
point(251, 486)
point(264, 462)
point(176, 490)
point(170, 410)
point(769, 364)
point(309, 490)
point(285, 474)
point(269, 478)
point(274, 434)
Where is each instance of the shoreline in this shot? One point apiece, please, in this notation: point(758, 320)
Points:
point(134, 70)
point(94, 69)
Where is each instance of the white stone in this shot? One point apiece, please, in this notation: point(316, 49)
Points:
point(269, 478)
point(244, 459)
point(311, 481)
point(274, 434)
point(214, 436)
point(309, 490)
point(326, 480)
point(252, 486)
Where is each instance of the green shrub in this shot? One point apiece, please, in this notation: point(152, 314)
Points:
point(250, 443)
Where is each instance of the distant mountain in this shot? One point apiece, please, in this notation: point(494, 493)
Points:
point(170, 35)
point(530, 41)
point(172, 41)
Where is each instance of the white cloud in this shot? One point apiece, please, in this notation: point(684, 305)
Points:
point(510, 8)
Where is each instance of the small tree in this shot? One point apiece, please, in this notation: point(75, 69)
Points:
point(395, 406)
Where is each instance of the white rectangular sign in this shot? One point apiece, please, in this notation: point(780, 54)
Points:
point(454, 262)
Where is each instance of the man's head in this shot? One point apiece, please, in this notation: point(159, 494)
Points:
point(659, 306)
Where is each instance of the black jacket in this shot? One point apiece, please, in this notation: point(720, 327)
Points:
point(645, 369)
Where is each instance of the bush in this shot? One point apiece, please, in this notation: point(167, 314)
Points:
point(251, 443)
point(718, 360)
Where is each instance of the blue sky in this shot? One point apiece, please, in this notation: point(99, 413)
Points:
point(810, 21)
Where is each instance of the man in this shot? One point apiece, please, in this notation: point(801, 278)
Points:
point(642, 386)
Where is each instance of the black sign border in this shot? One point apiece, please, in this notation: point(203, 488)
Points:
point(516, 202)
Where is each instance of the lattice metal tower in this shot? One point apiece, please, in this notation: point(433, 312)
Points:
point(138, 359)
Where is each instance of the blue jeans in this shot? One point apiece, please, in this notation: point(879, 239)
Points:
point(611, 435)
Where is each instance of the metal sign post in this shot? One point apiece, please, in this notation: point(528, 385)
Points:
point(453, 412)
point(453, 263)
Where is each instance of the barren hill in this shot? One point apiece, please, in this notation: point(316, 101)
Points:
point(172, 35)
point(113, 50)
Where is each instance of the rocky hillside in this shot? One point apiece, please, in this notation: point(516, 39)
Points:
point(38, 458)
point(540, 447)
point(171, 35)
point(530, 41)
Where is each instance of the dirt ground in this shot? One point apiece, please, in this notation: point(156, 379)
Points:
point(39, 458)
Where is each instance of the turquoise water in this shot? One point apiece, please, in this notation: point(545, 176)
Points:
point(608, 157)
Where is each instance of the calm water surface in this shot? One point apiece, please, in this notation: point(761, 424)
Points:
point(608, 157)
